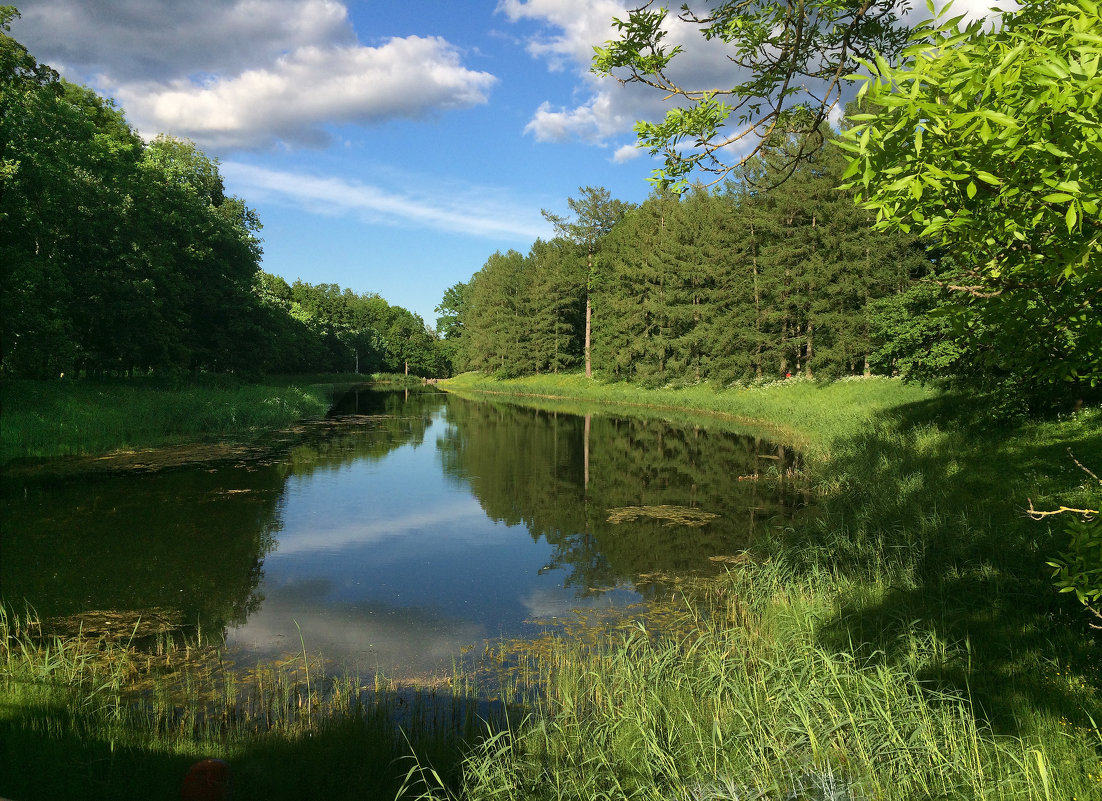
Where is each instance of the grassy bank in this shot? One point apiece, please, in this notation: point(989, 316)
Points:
point(900, 639)
point(807, 414)
point(90, 417)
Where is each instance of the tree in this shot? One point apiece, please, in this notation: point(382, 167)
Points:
point(790, 60)
point(595, 213)
point(990, 142)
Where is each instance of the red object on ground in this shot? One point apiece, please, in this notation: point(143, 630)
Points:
point(208, 780)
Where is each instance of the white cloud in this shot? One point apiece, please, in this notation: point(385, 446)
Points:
point(294, 97)
point(161, 40)
point(475, 212)
point(593, 121)
point(573, 27)
point(248, 73)
point(568, 31)
point(626, 153)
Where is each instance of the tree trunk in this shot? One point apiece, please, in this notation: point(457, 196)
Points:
point(585, 452)
point(810, 343)
point(588, 336)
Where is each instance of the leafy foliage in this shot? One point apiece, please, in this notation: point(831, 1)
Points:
point(1079, 568)
point(990, 142)
point(120, 256)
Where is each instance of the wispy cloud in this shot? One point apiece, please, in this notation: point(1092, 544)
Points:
point(477, 212)
point(357, 534)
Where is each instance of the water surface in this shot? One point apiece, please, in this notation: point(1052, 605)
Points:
point(401, 529)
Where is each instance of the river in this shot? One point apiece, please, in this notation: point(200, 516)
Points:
point(405, 527)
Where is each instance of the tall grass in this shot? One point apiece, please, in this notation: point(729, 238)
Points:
point(754, 710)
point(899, 639)
point(101, 718)
point(82, 417)
point(749, 704)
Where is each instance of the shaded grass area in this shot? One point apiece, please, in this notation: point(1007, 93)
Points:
point(42, 419)
point(111, 718)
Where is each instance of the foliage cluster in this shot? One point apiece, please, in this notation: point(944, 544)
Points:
point(788, 63)
point(988, 140)
point(319, 327)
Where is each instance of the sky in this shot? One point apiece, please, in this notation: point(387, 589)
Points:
point(388, 147)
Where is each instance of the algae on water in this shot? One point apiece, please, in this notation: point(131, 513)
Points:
point(672, 515)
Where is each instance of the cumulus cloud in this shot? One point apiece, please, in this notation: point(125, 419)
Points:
point(294, 97)
point(570, 28)
point(567, 31)
point(163, 40)
point(626, 153)
point(475, 212)
point(248, 73)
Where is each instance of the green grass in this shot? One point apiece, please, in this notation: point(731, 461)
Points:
point(89, 417)
point(101, 718)
point(807, 414)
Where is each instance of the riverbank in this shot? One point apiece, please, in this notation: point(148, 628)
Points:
point(806, 414)
point(90, 417)
point(916, 581)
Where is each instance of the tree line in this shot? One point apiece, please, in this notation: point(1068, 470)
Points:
point(735, 284)
point(122, 256)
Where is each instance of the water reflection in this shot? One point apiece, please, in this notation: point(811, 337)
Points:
point(561, 475)
point(405, 526)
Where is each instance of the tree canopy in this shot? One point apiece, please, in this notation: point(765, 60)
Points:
point(118, 255)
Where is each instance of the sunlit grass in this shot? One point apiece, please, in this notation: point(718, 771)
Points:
point(807, 414)
point(64, 418)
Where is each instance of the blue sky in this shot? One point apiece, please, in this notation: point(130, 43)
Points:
point(388, 147)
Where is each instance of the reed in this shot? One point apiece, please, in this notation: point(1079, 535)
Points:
point(127, 716)
point(747, 703)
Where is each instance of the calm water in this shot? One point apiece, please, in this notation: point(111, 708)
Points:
point(404, 527)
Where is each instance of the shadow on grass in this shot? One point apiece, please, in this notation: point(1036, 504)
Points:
point(52, 752)
point(929, 506)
